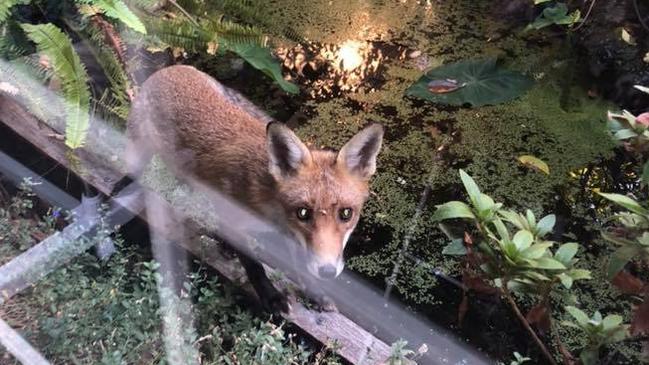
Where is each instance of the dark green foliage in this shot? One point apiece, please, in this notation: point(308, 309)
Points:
point(68, 68)
point(480, 83)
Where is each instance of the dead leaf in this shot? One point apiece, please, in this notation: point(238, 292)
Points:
point(539, 316)
point(478, 284)
point(627, 283)
point(467, 238)
point(444, 86)
point(534, 163)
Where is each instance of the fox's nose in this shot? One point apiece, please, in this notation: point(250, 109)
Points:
point(327, 271)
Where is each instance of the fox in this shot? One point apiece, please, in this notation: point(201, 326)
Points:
point(199, 127)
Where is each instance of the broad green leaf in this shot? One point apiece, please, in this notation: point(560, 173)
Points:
point(645, 173)
point(618, 334)
point(471, 187)
point(611, 321)
point(536, 2)
point(68, 68)
point(536, 251)
point(557, 14)
point(579, 274)
point(566, 252)
point(523, 239)
point(261, 59)
point(535, 163)
point(5, 8)
point(455, 248)
point(501, 229)
point(549, 264)
point(484, 203)
point(619, 258)
point(546, 224)
point(514, 218)
point(452, 209)
point(118, 10)
point(484, 82)
point(597, 318)
point(531, 219)
point(566, 280)
point(579, 315)
point(626, 202)
point(623, 134)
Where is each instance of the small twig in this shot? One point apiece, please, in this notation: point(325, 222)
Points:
point(637, 12)
point(527, 326)
point(590, 9)
point(185, 13)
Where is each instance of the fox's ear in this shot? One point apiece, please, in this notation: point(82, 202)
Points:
point(359, 154)
point(287, 154)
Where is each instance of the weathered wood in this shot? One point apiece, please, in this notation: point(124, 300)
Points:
point(356, 345)
point(20, 348)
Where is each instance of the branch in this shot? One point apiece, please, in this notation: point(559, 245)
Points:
point(527, 326)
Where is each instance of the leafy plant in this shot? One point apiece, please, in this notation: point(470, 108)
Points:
point(597, 330)
point(522, 262)
point(482, 82)
point(557, 14)
point(632, 131)
point(118, 10)
point(399, 353)
point(67, 67)
point(633, 237)
point(518, 359)
point(213, 33)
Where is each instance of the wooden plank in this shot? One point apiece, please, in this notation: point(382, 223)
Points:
point(18, 347)
point(356, 344)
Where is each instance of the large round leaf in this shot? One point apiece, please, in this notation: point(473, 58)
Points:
point(483, 82)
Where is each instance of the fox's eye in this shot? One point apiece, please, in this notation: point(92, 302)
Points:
point(345, 214)
point(303, 213)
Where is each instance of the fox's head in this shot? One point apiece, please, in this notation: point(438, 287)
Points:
point(322, 192)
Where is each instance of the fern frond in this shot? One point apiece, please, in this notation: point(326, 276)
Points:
point(67, 67)
point(118, 10)
point(147, 5)
point(113, 70)
point(180, 33)
point(5, 8)
point(230, 34)
point(28, 78)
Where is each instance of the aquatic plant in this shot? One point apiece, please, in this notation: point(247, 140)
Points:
point(474, 82)
point(522, 263)
point(555, 14)
point(598, 331)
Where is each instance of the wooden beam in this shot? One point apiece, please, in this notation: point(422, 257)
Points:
point(356, 345)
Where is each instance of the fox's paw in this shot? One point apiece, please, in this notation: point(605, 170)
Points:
point(274, 301)
point(323, 303)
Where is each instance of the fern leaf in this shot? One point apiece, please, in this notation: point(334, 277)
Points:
point(5, 7)
point(67, 67)
point(118, 10)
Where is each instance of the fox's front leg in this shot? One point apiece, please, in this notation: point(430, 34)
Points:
point(311, 288)
point(271, 298)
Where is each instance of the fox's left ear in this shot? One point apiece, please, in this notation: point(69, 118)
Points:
point(359, 154)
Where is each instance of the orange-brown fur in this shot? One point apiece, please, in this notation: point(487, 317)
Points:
point(202, 128)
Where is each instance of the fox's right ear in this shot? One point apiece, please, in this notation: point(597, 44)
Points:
point(359, 154)
point(287, 154)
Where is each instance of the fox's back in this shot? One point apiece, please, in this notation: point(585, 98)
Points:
point(203, 128)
